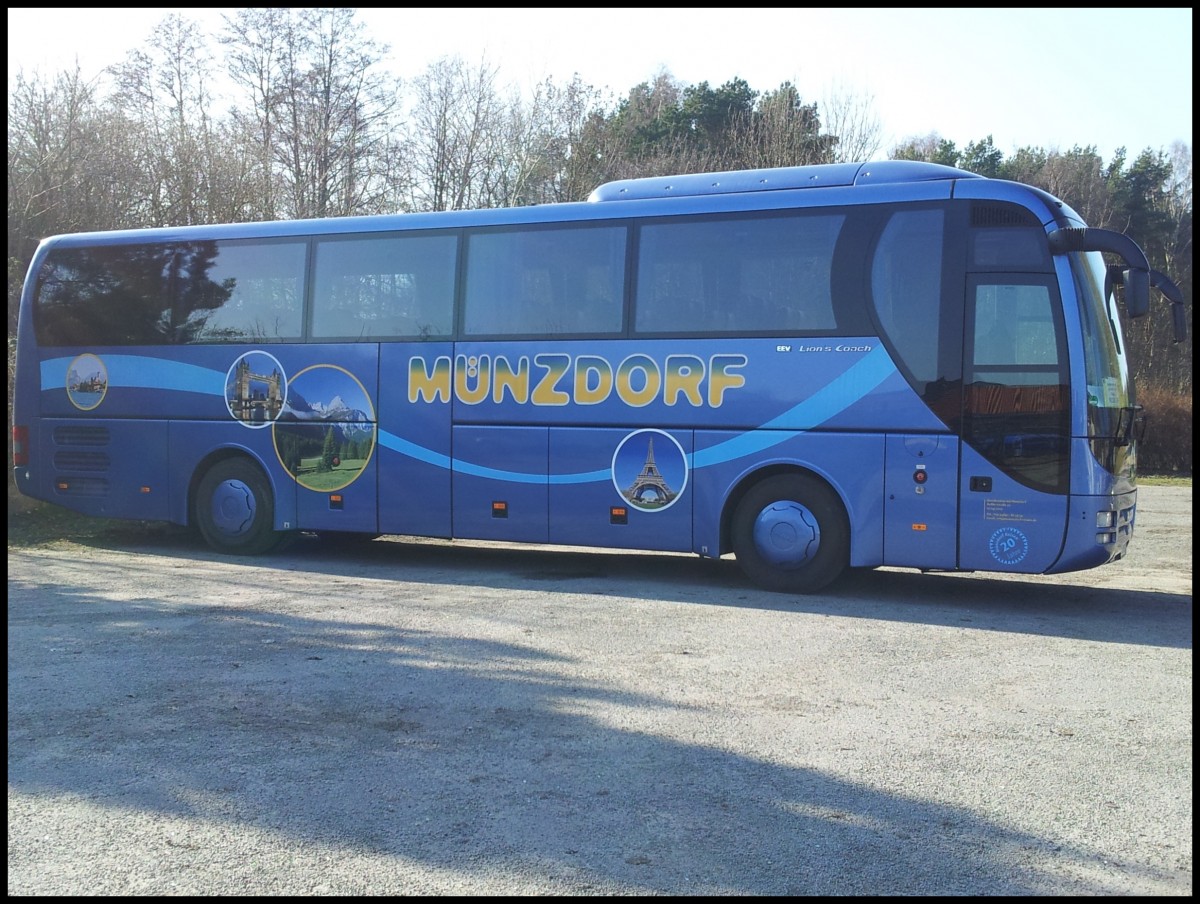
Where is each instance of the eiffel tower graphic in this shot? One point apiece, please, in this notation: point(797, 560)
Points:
point(650, 481)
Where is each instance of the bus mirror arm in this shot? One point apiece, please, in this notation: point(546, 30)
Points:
point(1170, 291)
point(1137, 274)
point(1174, 297)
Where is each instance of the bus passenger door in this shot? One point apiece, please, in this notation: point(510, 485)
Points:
point(1016, 425)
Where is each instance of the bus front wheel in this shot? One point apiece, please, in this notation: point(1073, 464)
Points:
point(791, 534)
point(235, 510)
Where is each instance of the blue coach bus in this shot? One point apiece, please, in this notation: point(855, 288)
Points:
point(811, 368)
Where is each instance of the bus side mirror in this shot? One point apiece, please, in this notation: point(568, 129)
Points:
point(1137, 292)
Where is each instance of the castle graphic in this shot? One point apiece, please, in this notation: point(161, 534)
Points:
point(94, 383)
point(255, 398)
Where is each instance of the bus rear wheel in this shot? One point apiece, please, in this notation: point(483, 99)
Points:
point(791, 535)
point(235, 511)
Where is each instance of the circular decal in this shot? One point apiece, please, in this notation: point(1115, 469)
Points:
point(256, 389)
point(649, 470)
point(87, 382)
point(1008, 545)
point(325, 433)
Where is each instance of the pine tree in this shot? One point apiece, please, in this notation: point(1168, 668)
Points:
point(327, 452)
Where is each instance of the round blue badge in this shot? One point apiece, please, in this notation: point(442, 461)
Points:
point(1008, 546)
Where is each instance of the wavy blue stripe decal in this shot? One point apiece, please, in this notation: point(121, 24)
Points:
point(585, 477)
point(420, 453)
point(138, 372)
point(839, 394)
point(828, 402)
point(412, 450)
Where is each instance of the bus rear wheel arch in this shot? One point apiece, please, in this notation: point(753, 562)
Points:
point(235, 508)
point(790, 533)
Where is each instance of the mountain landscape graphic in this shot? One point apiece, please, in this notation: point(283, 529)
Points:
point(350, 423)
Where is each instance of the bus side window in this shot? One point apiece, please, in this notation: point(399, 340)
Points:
point(670, 285)
point(545, 282)
point(390, 286)
point(906, 286)
point(740, 274)
point(107, 295)
point(238, 291)
point(536, 309)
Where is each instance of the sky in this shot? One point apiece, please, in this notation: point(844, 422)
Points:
point(1051, 78)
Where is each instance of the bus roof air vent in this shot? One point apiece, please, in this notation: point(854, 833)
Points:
point(893, 171)
point(780, 179)
point(693, 184)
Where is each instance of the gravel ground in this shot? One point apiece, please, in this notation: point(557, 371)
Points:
point(404, 717)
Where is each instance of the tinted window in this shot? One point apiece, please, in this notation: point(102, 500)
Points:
point(906, 286)
point(545, 282)
point(170, 293)
point(399, 286)
point(766, 274)
point(238, 292)
point(113, 295)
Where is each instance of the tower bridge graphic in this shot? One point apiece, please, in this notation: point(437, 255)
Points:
point(650, 488)
point(255, 398)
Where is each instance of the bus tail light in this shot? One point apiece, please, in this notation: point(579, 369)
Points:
point(20, 446)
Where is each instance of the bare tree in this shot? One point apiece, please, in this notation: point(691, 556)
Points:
point(580, 148)
point(48, 147)
point(457, 120)
point(335, 106)
point(163, 93)
point(549, 146)
point(515, 163)
point(1078, 177)
point(255, 40)
point(318, 109)
point(851, 119)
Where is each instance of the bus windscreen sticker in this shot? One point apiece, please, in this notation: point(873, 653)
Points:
point(649, 470)
point(325, 434)
point(87, 382)
point(256, 389)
